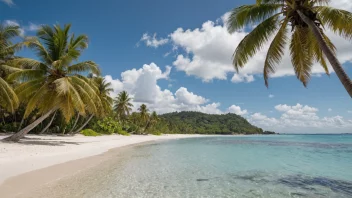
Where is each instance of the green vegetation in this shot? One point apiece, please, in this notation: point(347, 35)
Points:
point(200, 123)
point(55, 93)
point(89, 132)
point(308, 20)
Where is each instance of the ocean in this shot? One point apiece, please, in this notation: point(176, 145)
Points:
point(227, 166)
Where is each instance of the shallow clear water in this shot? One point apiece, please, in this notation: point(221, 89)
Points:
point(251, 166)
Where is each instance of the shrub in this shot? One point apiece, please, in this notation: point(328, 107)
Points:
point(156, 133)
point(122, 132)
point(107, 126)
point(89, 132)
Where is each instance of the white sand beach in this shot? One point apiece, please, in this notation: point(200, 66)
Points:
point(39, 152)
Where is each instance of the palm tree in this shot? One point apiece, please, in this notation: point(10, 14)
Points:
point(153, 120)
point(123, 106)
point(144, 115)
point(104, 89)
point(8, 98)
point(54, 83)
point(308, 44)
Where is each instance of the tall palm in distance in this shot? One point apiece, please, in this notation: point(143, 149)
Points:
point(308, 20)
point(144, 114)
point(123, 106)
point(54, 83)
point(8, 98)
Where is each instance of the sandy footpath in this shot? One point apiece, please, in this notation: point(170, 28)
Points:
point(38, 152)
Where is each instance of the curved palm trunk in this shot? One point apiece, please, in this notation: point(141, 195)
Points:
point(17, 136)
point(74, 125)
point(49, 124)
point(336, 65)
point(85, 124)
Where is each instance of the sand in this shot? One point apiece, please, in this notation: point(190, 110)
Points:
point(39, 160)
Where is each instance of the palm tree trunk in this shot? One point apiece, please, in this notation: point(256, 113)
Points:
point(19, 128)
point(17, 136)
point(47, 126)
point(336, 65)
point(74, 125)
point(85, 124)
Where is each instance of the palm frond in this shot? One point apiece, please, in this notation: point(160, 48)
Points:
point(87, 66)
point(339, 21)
point(254, 41)
point(299, 49)
point(8, 98)
point(250, 14)
point(275, 52)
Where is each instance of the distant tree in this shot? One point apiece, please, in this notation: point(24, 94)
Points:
point(144, 115)
point(123, 106)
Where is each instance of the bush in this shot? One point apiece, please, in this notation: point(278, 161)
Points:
point(89, 132)
point(107, 126)
point(9, 127)
point(156, 133)
point(122, 132)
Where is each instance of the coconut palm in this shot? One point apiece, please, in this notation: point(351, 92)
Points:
point(143, 113)
point(123, 106)
point(54, 83)
point(153, 120)
point(308, 20)
point(104, 89)
point(8, 98)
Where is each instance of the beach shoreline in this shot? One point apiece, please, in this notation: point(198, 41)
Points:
point(38, 160)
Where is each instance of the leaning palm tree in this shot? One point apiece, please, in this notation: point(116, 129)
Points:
point(308, 20)
point(8, 98)
point(54, 83)
point(123, 106)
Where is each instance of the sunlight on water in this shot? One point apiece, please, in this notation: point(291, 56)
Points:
point(256, 166)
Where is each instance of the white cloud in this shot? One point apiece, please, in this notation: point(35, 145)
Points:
point(32, 27)
point(207, 53)
point(153, 41)
point(301, 119)
point(8, 2)
point(342, 4)
point(142, 85)
point(349, 111)
point(186, 97)
point(237, 110)
point(329, 109)
point(271, 96)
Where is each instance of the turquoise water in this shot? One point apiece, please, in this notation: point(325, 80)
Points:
point(252, 166)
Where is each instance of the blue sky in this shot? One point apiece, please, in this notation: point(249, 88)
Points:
point(176, 55)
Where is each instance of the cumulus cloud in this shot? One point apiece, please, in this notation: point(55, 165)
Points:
point(32, 27)
point(142, 85)
point(329, 109)
point(207, 52)
point(237, 110)
point(271, 96)
point(301, 119)
point(186, 97)
point(153, 41)
point(8, 2)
